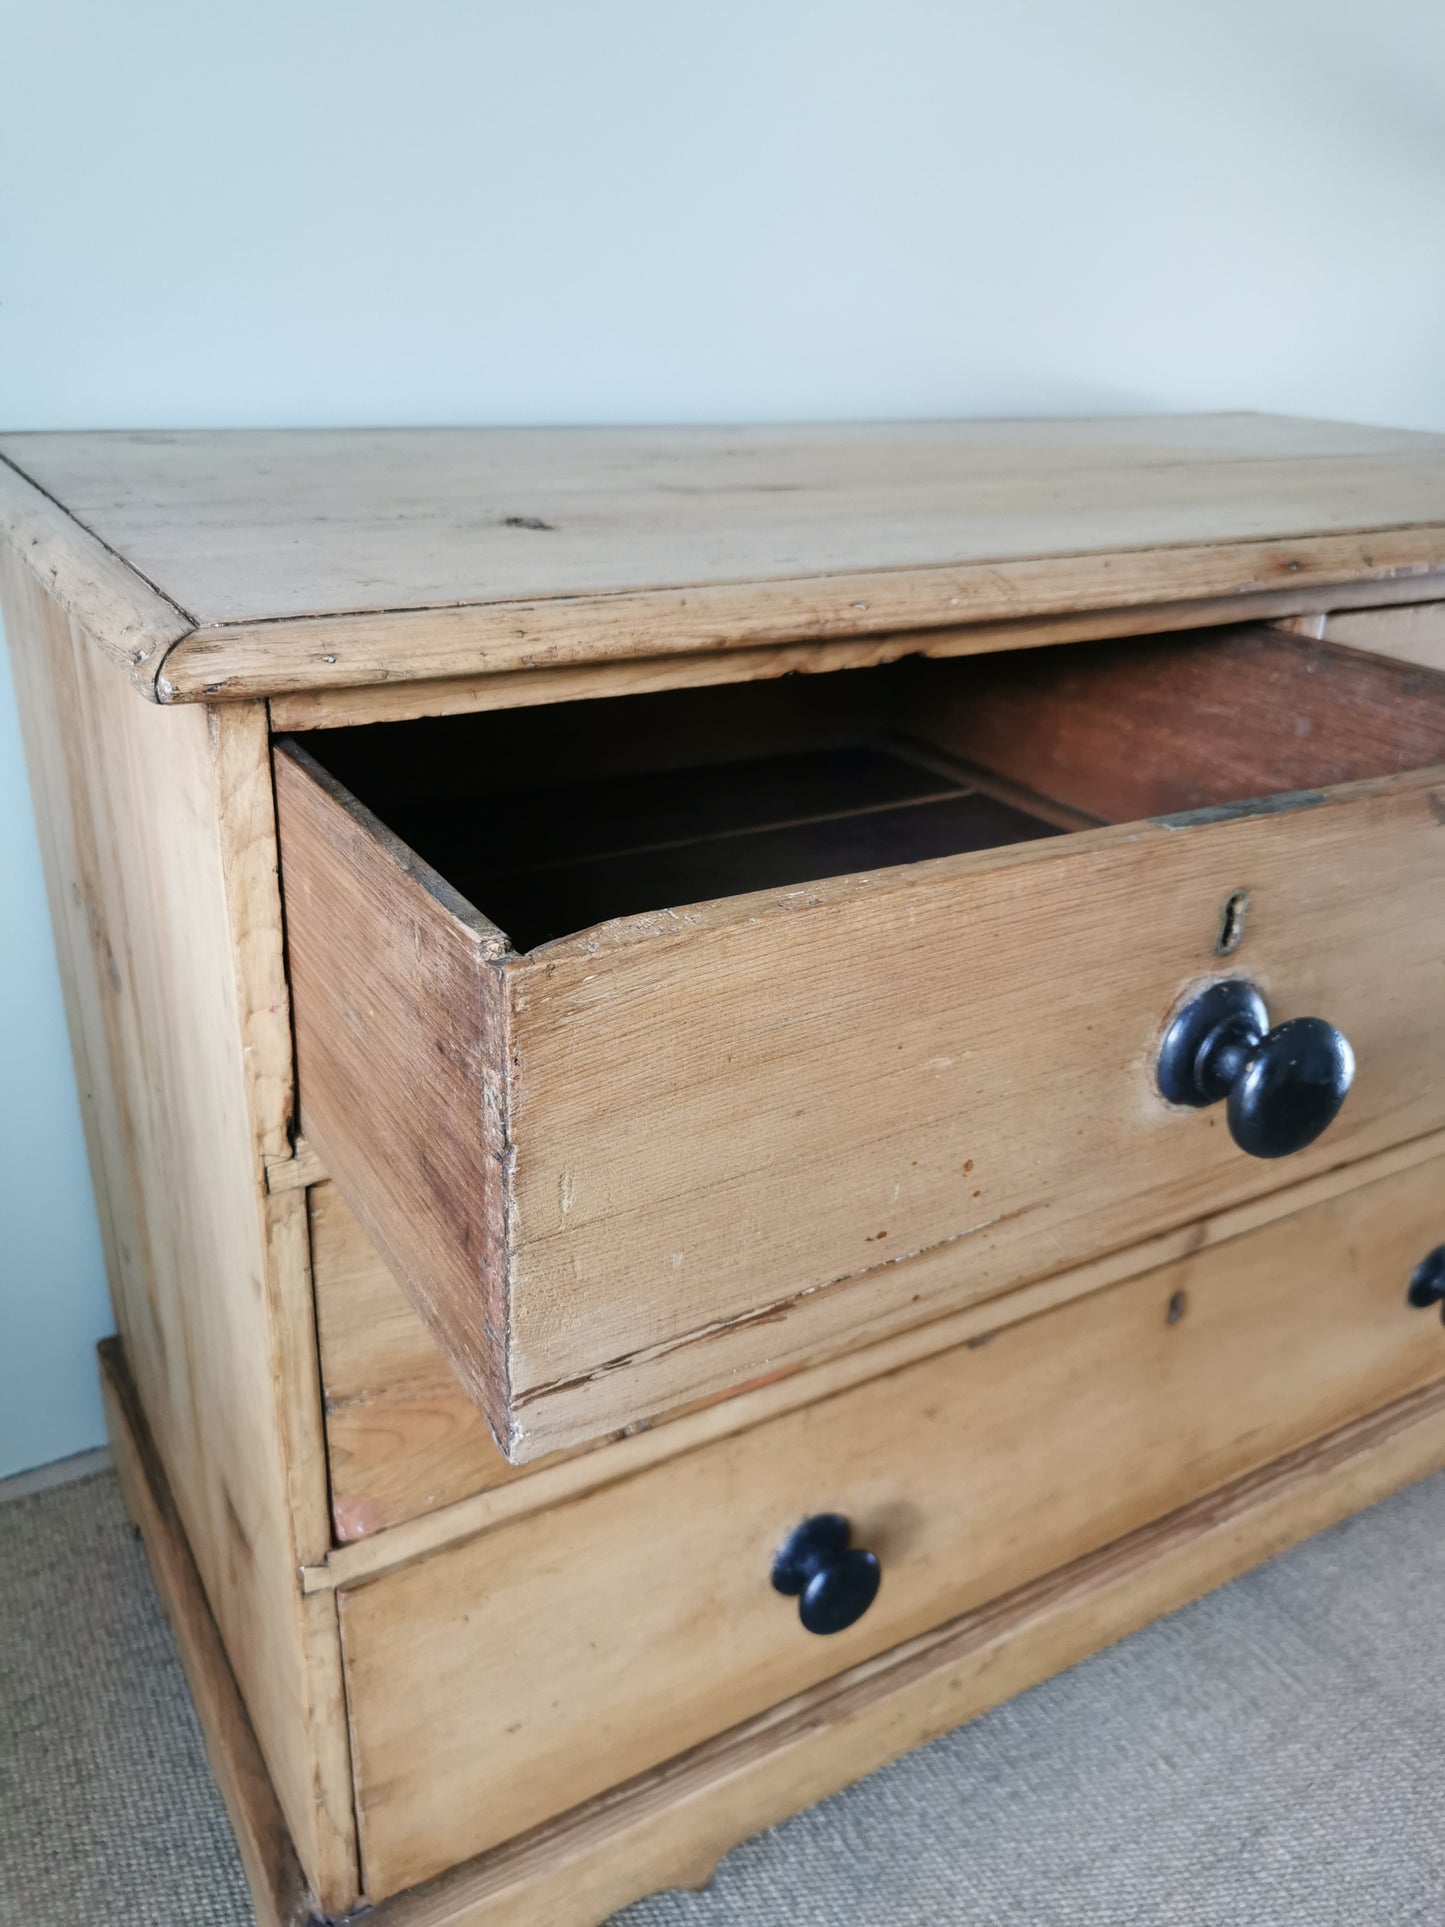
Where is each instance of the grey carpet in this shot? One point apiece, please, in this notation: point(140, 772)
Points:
point(108, 1813)
point(1269, 1757)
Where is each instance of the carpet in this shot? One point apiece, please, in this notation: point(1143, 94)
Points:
point(1268, 1757)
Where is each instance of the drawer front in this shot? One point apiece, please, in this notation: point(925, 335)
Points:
point(498, 1683)
point(632, 1168)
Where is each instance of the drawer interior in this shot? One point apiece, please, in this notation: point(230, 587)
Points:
point(554, 819)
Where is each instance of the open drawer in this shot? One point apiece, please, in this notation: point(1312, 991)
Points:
point(663, 1043)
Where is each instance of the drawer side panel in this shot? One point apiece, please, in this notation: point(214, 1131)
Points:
point(400, 1049)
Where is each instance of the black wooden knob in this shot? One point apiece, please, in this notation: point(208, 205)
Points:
point(835, 1583)
point(1427, 1281)
point(1283, 1086)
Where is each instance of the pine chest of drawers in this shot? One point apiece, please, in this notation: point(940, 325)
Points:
point(747, 1086)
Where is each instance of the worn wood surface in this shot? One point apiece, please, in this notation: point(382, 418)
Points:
point(335, 559)
point(126, 617)
point(821, 787)
point(300, 1167)
point(161, 855)
point(478, 1711)
point(400, 1043)
point(414, 1468)
point(687, 1092)
point(403, 1436)
point(670, 1827)
point(390, 702)
point(273, 1873)
point(158, 836)
point(690, 1198)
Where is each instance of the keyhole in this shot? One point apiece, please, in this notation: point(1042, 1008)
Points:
point(1231, 923)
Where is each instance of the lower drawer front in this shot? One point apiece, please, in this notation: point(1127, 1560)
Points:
point(500, 1682)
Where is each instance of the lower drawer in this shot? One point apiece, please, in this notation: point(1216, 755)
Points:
point(502, 1681)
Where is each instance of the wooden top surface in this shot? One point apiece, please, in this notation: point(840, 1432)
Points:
point(239, 563)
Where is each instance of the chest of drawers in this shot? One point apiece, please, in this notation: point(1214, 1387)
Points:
point(747, 1087)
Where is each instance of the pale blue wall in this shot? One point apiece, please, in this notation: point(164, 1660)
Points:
point(53, 1304)
point(562, 210)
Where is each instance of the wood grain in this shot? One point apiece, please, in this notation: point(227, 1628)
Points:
point(400, 1043)
point(414, 1468)
point(688, 1090)
point(689, 1198)
point(391, 702)
point(130, 620)
point(670, 1827)
point(159, 842)
point(295, 1171)
point(264, 659)
point(327, 560)
point(559, 819)
point(273, 1873)
point(402, 1434)
point(1126, 730)
point(478, 1711)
